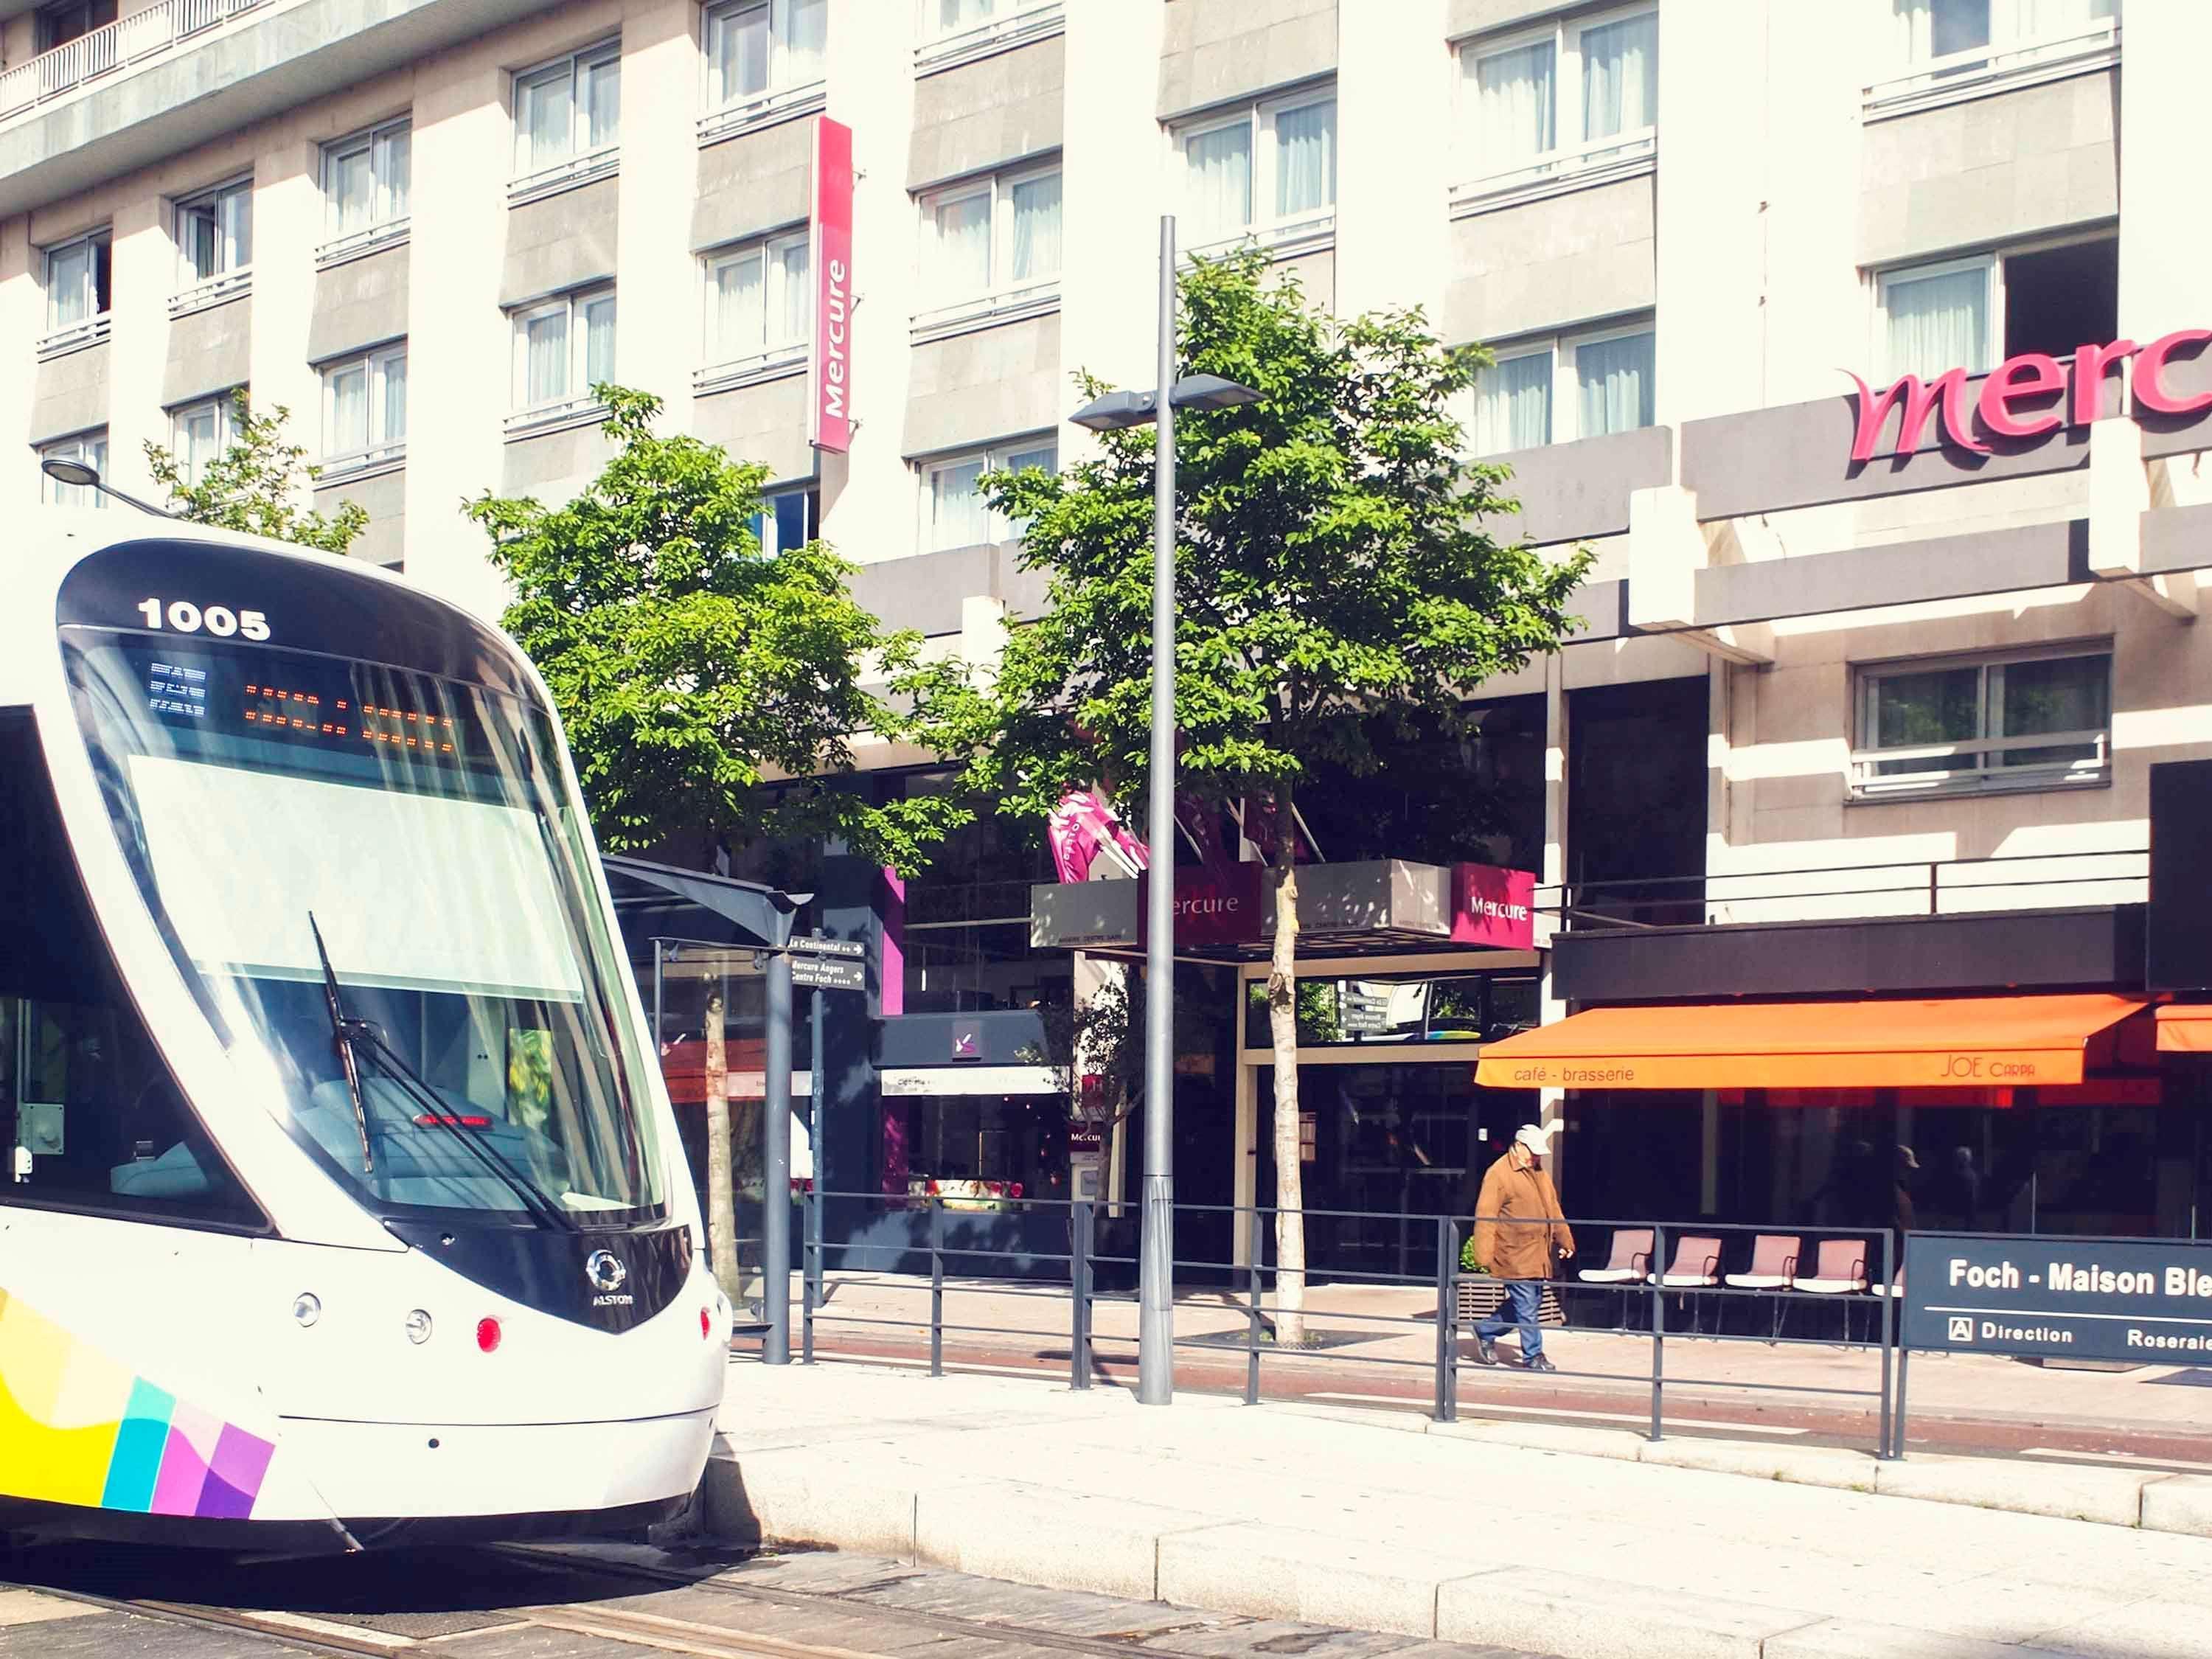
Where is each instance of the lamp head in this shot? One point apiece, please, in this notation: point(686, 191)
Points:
point(75, 474)
point(1211, 392)
point(1115, 410)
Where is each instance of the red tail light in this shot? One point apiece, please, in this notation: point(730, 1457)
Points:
point(488, 1335)
point(706, 1322)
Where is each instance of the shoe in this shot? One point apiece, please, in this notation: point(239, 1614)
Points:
point(1485, 1352)
point(1537, 1362)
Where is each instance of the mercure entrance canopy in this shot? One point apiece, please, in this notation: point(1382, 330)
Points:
point(1943, 1043)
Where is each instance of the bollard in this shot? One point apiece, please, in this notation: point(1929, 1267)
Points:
point(936, 1285)
point(1447, 1391)
point(1252, 1328)
point(1078, 1272)
point(1658, 1327)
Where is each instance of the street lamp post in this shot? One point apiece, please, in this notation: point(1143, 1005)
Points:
point(1115, 410)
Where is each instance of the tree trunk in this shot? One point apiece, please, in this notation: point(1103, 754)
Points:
point(1283, 1030)
point(721, 1190)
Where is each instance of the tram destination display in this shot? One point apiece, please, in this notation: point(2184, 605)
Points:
point(2146, 1300)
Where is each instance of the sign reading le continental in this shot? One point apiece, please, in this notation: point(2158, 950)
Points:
point(2085, 1299)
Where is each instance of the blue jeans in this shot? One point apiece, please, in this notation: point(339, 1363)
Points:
point(1524, 1300)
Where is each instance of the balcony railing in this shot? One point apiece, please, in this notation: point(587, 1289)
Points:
point(2044, 760)
point(1922, 887)
point(1981, 69)
point(126, 40)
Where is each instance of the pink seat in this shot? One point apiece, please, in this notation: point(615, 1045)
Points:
point(1773, 1262)
point(1630, 1262)
point(1838, 1270)
point(1696, 1262)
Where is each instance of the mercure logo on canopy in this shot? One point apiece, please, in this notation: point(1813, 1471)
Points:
point(2024, 397)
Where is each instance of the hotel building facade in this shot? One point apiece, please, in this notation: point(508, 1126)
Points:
point(1864, 711)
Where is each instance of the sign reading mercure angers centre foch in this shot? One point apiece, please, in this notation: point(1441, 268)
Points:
point(2144, 1299)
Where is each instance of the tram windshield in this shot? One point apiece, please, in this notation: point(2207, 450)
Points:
point(420, 825)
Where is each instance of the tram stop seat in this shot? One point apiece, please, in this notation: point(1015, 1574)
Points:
point(1840, 1269)
point(1773, 1264)
point(1696, 1266)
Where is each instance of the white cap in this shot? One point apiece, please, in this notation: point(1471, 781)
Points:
point(1535, 1139)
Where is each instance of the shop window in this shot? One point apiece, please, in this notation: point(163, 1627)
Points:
point(1972, 312)
point(90, 1118)
point(1399, 1008)
point(2032, 720)
point(981, 1152)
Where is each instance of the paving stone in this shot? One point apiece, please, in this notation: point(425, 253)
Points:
point(1283, 1572)
point(1062, 1541)
point(19, 1606)
point(2066, 1490)
point(1580, 1617)
point(2182, 1503)
point(1804, 1466)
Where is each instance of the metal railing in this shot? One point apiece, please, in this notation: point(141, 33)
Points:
point(1920, 887)
point(100, 50)
point(1047, 1249)
point(1981, 765)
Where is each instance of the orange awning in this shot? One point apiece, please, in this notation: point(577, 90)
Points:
point(1955, 1042)
point(2185, 1028)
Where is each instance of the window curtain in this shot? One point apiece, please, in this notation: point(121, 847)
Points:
point(197, 439)
point(601, 101)
point(399, 171)
point(1514, 119)
point(1614, 379)
point(1936, 29)
point(1939, 323)
point(1036, 229)
point(797, 299)
point(1218, 165)
point(2037, 19)
point(806, 36)
point(69, 286)
point(545, 358)
point(959, 14)
point(957, 517)
point(1305, 159)
point(1513, 404)
point(395, 400)
point(599, 342)
point(740, 308)
point(234, 213)
point(1620, 77)
point(353, 189)
point(1044, 456)
point(740, 54)
point(960, 262)
point(545, 119)
point(348, 411)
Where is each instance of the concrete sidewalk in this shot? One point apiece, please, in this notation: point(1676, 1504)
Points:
point(1548, 1539)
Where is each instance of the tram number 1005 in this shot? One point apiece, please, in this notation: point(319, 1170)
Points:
point(187, 618)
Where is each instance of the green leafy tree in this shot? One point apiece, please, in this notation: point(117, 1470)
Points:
point(690, 667)
point(1334, 584)
point(256, 485)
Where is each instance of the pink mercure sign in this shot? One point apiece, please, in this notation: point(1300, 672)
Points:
point(2025, 396)
point(831, 377)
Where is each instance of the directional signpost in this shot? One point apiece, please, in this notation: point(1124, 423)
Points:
point(820, 964)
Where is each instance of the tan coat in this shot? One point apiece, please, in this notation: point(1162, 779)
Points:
point(1522, 1249)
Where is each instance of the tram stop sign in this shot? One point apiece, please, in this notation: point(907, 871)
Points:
point(2147, 1300)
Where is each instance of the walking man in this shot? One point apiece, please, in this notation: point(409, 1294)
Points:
point(1517, 1227)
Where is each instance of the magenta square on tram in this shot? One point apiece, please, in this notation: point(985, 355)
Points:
point(234, 1476)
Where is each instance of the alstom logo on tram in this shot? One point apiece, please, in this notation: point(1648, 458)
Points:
point(301, 846)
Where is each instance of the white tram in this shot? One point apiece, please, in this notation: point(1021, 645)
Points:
point(339, 1202)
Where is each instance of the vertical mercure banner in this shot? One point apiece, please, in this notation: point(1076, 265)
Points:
point(832, 375)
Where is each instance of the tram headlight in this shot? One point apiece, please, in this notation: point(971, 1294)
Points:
point(307, 1307)
point(418, 1327)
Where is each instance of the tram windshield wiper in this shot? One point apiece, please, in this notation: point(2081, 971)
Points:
point(356, 1036)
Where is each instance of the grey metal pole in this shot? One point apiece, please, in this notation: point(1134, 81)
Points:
point(775, 1172)
point(1156, 1270)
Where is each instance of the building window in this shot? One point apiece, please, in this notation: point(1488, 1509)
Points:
point(1964, 35)
point(569, 111)
point(1574, 93)
point(366, 180)
point(760, 300)
point(1268, 170)
point(956, 32)
point(215, 232)
point(562, 349)
point(77, 286)
point(1575, 385)
point(787, 519)
point(765, 47)
point(1970, 313)
point(954, 513)
point(200, 431)
point(989, 245)
point(2023, 720)
point(365, 409)
point(90, 447)
point(59, 25)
